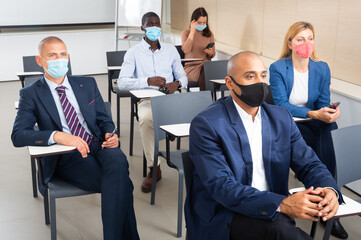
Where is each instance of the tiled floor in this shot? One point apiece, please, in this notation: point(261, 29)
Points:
point(22, 216)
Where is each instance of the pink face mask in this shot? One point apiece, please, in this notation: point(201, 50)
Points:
point(305, 50)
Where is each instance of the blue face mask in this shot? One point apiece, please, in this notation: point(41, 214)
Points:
point(153, 33)
point(57, 68)
point(200, 27)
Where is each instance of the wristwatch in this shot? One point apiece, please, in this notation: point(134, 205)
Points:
point(179, 83)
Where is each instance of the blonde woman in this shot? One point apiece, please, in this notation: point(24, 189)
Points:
point(300, 82)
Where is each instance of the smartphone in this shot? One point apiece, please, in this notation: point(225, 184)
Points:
point(163, 90)
point(210, 45)
point(334, 105)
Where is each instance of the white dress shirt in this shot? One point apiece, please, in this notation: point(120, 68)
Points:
point(72, 99)
point(299, 93)
point(141, 62)
point(254, 134)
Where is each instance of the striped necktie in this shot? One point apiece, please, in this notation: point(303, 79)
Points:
point(72, 118)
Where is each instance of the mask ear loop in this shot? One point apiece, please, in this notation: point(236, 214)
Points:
point(238, 85)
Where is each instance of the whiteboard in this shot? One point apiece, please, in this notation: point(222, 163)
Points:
point(49, 12)
point(130, 12)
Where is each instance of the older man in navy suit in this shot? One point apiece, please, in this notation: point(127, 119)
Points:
point(70, 110)
point(242, 150)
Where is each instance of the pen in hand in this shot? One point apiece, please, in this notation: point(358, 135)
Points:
point(111, 135)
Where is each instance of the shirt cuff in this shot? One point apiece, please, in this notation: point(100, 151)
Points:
point(184, 82)
point(51, 138)
point(143, 83)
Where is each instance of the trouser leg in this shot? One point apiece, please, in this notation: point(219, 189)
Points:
point(317, 135)
point(105, 171)
point(283, 227)
point(147, 130)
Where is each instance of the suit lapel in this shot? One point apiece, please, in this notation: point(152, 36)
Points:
point(290, 75)
point(312, 83)
point(236, 121)
point(266, 146)
point(48, 102)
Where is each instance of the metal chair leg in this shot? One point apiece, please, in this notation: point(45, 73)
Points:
point(131, 125)
point(154, 179)
point(46, 207)
point(313, 230)
point(328, 229)
point(180, 203)
point(178, 143)
point(118, 114)
point(144, 166)
point(53, 217)
point(33, 177)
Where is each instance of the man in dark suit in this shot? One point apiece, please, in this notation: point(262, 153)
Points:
point(70, 110)
point(242, 150)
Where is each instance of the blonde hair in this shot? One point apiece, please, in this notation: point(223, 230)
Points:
point(295, 29)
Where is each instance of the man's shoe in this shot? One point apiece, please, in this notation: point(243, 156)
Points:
point(147, 183)
point(337, 229)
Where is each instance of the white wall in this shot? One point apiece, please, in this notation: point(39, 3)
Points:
point(43, 12)
point(87, 50)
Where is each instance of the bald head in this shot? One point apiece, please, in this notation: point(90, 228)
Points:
point(49, 40)
point(240, 60)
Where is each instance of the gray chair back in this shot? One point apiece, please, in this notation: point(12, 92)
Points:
point(180, 51)
point(215, 70)
point(30, 64)
point(116, 58)
point(347, 145)
point(176, 108)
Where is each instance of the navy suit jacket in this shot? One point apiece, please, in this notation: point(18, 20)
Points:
point(222, 178)
point(319, 80)
point(37, 105)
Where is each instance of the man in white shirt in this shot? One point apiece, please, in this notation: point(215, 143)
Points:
point(242, 150)
point(151, 64)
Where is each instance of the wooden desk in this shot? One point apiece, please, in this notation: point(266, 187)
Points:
point(217, 83)
point(174, 131)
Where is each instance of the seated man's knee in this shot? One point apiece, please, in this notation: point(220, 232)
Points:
point(117, 162)
point(285, 228)
point(146, 119)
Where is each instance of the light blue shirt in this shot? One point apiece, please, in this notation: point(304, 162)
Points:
point(141, 62)
point(72, 99)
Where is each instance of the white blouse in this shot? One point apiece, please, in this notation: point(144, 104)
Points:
point(299, 93)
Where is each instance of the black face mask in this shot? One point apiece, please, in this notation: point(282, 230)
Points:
point(253, 95)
